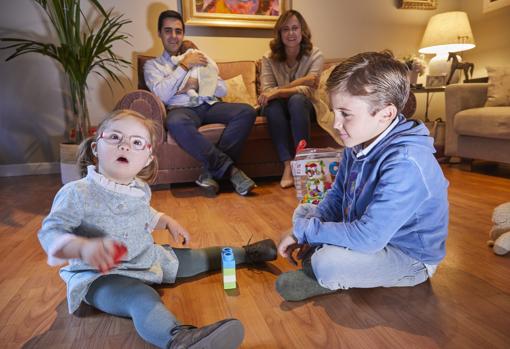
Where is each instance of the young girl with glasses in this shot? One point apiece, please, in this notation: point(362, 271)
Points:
point(101, 226)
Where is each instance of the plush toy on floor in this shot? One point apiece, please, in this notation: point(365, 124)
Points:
point(500, 232)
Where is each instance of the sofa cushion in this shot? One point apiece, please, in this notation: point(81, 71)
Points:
point(140, 62)
point(498, 93)
point(325, 116)
point(237, 92)
point(332, 62)
point(229, 70)
point(489, 122)
point(213, 131)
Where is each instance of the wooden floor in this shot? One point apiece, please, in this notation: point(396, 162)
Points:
point(466, 305)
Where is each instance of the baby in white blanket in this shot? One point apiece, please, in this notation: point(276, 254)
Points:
point(207, 76)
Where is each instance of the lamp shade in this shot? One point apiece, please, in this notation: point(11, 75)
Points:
point(447, 32)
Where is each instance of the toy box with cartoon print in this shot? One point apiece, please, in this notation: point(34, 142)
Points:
point(314, 171)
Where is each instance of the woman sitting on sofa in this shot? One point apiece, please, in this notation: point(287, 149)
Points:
point(290, 74)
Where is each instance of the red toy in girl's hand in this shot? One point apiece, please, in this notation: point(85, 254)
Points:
point(120, 251)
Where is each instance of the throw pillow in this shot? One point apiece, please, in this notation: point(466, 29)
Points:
point(237, 92)
point(498, 92)
point(325, 117)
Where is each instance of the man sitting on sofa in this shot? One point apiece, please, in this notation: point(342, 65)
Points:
point(186, 115)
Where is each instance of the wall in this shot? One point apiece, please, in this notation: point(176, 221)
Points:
point(32, 118)
point(491, 31)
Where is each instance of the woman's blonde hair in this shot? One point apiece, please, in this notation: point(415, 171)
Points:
point(378, 76)
point(277, 46)
point(86, 157)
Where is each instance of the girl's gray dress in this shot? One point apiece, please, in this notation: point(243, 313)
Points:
point(96, 206)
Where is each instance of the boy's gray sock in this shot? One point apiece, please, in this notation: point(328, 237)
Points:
point(297, 286)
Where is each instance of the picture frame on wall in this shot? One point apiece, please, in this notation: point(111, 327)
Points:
point(233, 13)
point(491, 5)
point(435, 81)
point(417, 4)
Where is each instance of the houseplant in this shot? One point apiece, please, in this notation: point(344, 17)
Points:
point(81, 48)
point(416, 66)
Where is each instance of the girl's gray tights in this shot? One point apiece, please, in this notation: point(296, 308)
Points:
point(128, 297)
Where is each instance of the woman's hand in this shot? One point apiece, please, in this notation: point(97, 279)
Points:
point(265, 97)
point(98, 252)
point(310, 80)
point(177, 230)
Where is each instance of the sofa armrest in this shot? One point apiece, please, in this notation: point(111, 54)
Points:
point(147, 104)
point(460, 97)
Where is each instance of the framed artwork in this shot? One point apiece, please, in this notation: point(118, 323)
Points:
point(435, 81)
point(491, 5)
point(233, 13)
point(417, 4)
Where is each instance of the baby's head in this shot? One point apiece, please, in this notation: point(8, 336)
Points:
point(122, 148)
point(187, 45)
point(367, 91)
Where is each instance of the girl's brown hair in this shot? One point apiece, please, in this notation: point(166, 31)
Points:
point(378, 76)
point(277, 46)
point(86, 157)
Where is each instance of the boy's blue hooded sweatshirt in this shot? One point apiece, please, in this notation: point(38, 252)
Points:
point(395, 195)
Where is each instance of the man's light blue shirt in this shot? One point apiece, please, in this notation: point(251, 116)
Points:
point(164, 78)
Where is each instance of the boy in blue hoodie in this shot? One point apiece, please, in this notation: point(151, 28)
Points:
point(384, 223)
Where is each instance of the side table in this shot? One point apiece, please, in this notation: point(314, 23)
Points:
point(437, 128)
point(428, 91)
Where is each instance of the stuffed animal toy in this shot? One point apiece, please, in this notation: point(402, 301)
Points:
point(500, 232)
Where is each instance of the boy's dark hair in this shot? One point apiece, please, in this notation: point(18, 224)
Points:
point(277, 46)
point(376, 75)
point(86, 156)
point(170, 14)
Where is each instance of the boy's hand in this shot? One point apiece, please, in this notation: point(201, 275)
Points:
point(99, 253)
point(287, 247)
point(177, 230)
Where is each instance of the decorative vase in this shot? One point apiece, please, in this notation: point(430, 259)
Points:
point(69, 170)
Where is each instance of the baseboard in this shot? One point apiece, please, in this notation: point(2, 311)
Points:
point(34, 168)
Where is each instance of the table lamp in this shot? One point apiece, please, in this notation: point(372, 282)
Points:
point(446, 32)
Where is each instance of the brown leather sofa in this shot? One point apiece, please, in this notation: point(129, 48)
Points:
point(474, 131)
point(258, 158)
